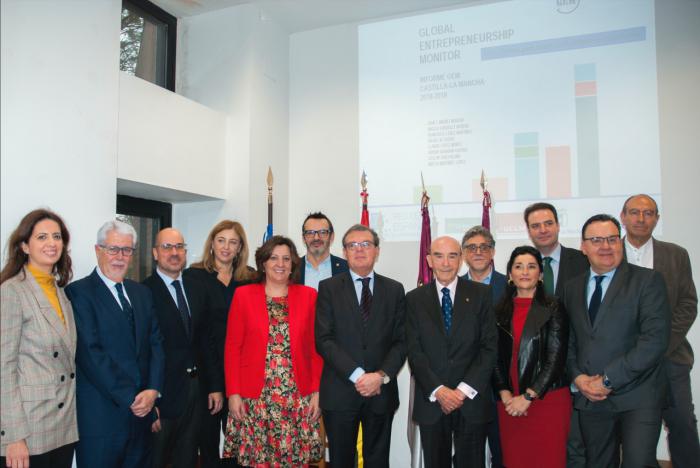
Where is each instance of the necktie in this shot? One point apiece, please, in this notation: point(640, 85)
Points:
point(126, 306)
point(596, 298)
point(447, 309)
point(182, 306)
point(548, 276)
point(365, 300)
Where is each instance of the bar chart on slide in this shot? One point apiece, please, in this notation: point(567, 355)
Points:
point(551, 113)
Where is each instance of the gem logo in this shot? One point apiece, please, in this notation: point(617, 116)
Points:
point(567, 6)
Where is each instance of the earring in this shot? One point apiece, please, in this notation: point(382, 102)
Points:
point(540, 282)
point(510, 282)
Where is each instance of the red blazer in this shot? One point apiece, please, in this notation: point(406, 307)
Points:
point(247, 335)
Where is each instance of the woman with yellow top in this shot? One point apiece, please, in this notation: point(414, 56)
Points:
point(37, 347)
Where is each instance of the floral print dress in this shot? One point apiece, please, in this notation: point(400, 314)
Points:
point(276, 431)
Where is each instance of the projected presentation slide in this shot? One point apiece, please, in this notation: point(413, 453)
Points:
point(554, 100)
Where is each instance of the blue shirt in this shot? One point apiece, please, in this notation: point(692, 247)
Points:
point(486, 280)
point(313, 276)
point(607, 278)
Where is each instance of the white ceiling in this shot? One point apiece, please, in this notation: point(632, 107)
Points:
point(303, 15)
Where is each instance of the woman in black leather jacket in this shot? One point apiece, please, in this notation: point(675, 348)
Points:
point(530, 377)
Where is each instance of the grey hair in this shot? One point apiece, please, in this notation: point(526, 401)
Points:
point(120, 227)
point(478, 230)
point(362, 228)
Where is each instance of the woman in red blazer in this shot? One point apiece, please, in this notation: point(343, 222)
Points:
point(271, 365)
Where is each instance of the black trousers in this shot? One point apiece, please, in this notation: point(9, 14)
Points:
point(680, 418)
point(493, 434)
point(61, 457)
point(210, 437)
point(468, 438)
point(636, 431)
point(176, 443)
point(575, 450)
point(342, 428)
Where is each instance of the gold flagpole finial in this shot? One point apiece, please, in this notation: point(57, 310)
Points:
point(363, 181)
point(483, 181)
point(270, 179)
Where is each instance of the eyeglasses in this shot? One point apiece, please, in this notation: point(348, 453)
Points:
point(322, 233)
point(359, 245)
point(114, 250)
point(599, 241)
point(179, 247)
point(645, 213)
point(483, 248)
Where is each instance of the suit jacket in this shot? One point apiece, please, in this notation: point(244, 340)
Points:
point(571, 264)
point(37, 365)
point(338, 265)
point(541, 353)
point(219, 297)
point(498, 285)
point(183, 352)
point(467, 354)
point(627, 341)
point(345, 343)
point(248, 333)
point(673, 262)
point(114, 364)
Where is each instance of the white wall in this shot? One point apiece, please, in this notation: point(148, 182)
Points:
point(169, 141)
point(60, 86)
point(236, 61)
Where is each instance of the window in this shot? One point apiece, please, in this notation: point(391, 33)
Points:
point(148, 38)
point(147, 217)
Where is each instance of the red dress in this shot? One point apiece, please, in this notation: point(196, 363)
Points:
point(537, 440)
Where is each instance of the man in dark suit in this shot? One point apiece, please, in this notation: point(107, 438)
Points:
point(360, 335)
point(620, 326)
point(639, 216)
point(560, 265)
point(478, 250)
point(451, 339)
point(119, 357)
point(183, 315)
point(318, 263)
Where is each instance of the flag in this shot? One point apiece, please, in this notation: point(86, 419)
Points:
point(425, 276)
point(485, 203)
point(364, 219)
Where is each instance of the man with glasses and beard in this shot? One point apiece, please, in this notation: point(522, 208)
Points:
point(318, 263)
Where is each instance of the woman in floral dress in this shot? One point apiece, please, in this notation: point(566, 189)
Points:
point(272, 368)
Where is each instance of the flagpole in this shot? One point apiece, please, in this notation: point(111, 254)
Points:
point(270, 181)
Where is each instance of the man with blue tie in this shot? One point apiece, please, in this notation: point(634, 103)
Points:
point(119, 357)
point(620, 326)
point(451, 339)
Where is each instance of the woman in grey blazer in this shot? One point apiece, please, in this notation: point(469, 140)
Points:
point(37, 347)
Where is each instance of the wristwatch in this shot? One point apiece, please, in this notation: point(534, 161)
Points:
point(385, 378)
point(528, 397)
point(606, 383)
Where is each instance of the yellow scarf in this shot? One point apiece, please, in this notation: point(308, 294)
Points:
point(48, 284)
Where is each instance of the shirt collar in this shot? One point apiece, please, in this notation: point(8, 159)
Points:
point(355, 276)
point(324, 262)
point(452, 286)
point(487, 278)
point(556, 253)
point(642, 248)
point(108, 282)
point(167, 279)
